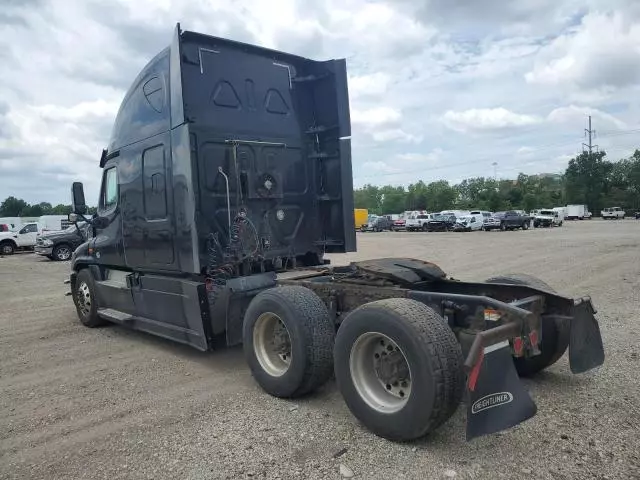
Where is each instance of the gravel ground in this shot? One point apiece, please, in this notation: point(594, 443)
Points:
point(112, 403)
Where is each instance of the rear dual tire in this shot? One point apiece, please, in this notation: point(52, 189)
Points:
point(417, 347)
point(288, 338)
point(422, 385)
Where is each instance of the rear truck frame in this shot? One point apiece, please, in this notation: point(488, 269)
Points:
point(226, 180)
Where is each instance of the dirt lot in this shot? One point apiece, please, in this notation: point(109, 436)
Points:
point(111, 403)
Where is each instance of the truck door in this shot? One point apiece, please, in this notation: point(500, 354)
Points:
point(148, 231)
point(27, 235)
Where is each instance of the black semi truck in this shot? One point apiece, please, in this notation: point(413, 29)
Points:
point(226, 180)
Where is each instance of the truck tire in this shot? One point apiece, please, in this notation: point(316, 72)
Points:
point(7, 247)
point(84, 297)
point(425, 228)
point(424, 384)
point(555, 333)
point(62, 252)
point(503, 227)
point(288, 338)
point(525, 226)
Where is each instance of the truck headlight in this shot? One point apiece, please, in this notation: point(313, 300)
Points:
point(47, 243)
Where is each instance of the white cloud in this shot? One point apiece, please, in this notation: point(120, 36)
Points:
point(575, 115)
point(376, 117)
point(603, 52)
point(373, 84)
point(395, 134)
point(415, 158)
point(479, 119)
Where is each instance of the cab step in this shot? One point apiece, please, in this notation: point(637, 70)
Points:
point(114, 315)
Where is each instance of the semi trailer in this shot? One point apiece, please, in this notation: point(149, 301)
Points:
point(226, 181)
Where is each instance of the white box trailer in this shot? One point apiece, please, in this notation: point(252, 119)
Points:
point(577, 212)
point(53, 222)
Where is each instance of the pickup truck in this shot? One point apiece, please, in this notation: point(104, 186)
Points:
point(511, 220)
point(59, 245)
point(546, 218)
point(418, 222)
point(613, 213)
point(23, 239)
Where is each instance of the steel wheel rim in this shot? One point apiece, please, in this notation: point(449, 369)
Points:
point(64, 253)
point(272, 344)
point(84, 298)
point(380, 372)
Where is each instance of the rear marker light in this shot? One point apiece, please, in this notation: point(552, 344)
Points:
point(518, 346)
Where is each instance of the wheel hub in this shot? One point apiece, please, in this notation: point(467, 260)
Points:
point(83, 295)
point(281, 341)
point(391, 368)
point(272, 344)
point(380, 372)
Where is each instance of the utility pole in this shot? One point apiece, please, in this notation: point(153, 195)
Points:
point(495, 170)
point(591, 133)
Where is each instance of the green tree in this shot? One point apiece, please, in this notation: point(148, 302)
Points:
point(13, 207)
point(586, 180)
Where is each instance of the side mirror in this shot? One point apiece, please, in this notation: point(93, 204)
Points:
point(77, 198)
point(73, 218)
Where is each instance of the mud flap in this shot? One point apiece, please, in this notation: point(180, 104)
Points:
point(585, 342)
point(497, 398)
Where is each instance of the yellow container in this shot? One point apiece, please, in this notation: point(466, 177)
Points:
point(361, 215)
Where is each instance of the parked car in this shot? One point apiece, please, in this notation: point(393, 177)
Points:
point(23, 239)
point(376, 224)
point(61, 244)
point(468, 223)
point(399, 224)
point(491, 223)
point(546, 218)
point(513, 219)
point(440, 223)
point(418, 222)
point(613, 213)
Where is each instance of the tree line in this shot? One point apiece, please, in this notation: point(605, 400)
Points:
point(16, 207)
point(589, 179)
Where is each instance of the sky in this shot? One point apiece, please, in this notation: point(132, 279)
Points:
point(438, 89)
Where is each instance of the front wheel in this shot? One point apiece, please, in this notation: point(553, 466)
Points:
point(62, 252)
point(7, 248)
point(399, 368)
point(525, 226)
point(287, 340)
point(84, 297)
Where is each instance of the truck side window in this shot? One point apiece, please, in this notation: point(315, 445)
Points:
point(29, 228)
point(109, 196)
